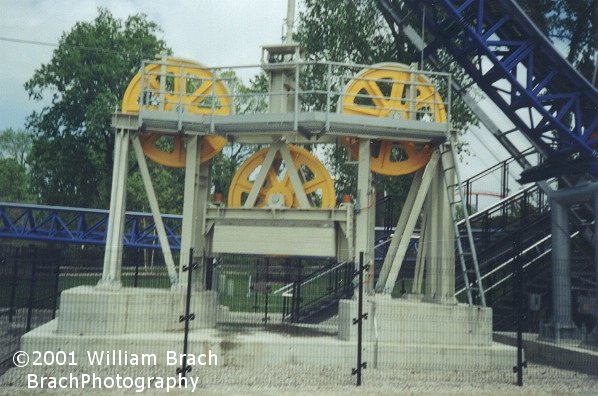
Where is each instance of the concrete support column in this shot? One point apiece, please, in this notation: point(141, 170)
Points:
point(111, 274)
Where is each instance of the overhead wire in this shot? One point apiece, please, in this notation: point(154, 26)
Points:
point(56, 45)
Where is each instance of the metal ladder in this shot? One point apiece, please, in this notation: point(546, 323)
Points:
point(475, 289)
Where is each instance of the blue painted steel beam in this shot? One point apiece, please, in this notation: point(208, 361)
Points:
point(519, 69)
point(82, 226)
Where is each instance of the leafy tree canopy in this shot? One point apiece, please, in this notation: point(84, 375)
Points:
point(85, 79)
point(14, 182)
point(573, 23)
point(15, 144)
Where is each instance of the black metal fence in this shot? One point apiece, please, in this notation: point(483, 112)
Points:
point(294, 322)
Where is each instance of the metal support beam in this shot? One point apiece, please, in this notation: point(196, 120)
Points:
point(562, 324)
point(294, 177)
point(155, 208)
point(438, 238)
point(111, 274)
point(412, 217)
point(433, 236)
point(190, 203)
point(398, 234)
point(420, 260)
point(365, 208)
point(261, 176)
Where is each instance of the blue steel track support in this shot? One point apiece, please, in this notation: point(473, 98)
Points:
point(82, 226)
point(519, 69)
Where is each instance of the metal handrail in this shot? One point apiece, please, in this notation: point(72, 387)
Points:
point(308, 278)
point(334, 85)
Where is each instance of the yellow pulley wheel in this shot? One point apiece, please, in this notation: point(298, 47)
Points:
point(187, 84)
point(277, 188)
point(384, 91)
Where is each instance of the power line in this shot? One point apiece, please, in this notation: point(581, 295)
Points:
point(55, 45)
point(15, 40)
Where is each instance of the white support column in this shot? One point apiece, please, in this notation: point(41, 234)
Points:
point(433, 236)
point(113, 252)
point(190, 203)
point(412, 217)
point(201, 246)
point(438, 240)
point(366, 207)
point(153, 201)
point(446, 254)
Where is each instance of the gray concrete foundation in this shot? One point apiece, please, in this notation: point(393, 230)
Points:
point(88, 310)
point(398, 333)
point(413, 334)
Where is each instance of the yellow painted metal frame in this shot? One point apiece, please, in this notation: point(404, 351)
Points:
point(367, 86)
point(181, 71)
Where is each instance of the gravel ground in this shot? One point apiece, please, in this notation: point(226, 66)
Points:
point(297, 379)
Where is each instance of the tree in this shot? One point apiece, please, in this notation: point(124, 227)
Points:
point(15, 144)
point(14, 181)
point(85, 79)
point(570, 22)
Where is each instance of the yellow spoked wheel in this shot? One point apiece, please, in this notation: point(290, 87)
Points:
point(186, 84)
point(277, 189)
point(383, 92)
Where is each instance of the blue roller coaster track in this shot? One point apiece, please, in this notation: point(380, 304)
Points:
point(82, 226)
point(521, 72)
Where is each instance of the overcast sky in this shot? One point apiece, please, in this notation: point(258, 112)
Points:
point(213, 32)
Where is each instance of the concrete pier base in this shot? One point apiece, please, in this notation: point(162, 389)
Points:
point(413, 334)
point(88, 310)
point(399, 333)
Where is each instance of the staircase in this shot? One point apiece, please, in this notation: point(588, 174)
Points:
point(314, 298)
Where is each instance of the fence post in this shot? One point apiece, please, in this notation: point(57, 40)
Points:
point(17, 259)
point(136, 279)
point(266, 291)
point(184, 369)
point(56, 283)
point(518, 308)
point(359, 320)
point(31, 286)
